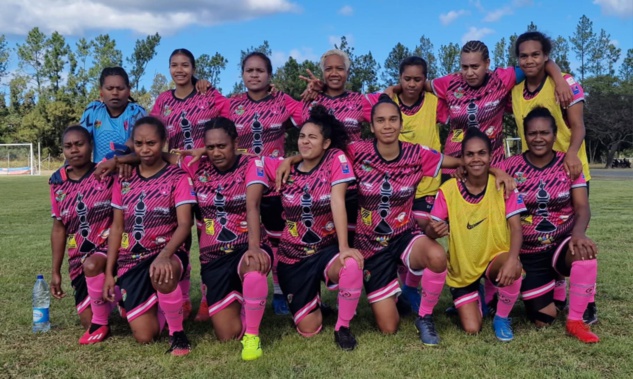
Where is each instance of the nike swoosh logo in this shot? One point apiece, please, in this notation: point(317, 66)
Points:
point(471, 226)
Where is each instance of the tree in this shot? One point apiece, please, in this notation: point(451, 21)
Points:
point(4, 56)
point(560, 54)
point(104, 54)
point(55, 59)
point(144, 51)
point(425, 50)
point(391, 71)
point(626, 70)
point(210, 68)
point(511, 59)
point(582, 43)
point(499, 53)
point(287, 79)
point(598, 53)
point(31, 55)
point(363, 76)
point(532, 27)
point(612, 56)
point(449, 58)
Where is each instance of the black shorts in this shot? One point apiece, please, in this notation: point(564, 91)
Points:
point(80, 291)
point(541, 272)
point(138, 294)
point(465, 295)
point(301, 281)
point(271, 214)
point(422, 207)
point(222, 278)
point(380, 275)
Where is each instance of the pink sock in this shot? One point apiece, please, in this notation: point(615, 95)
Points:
point(592, 299)
point(412, 280)
point(185, 286)
point(432, 284)
point(100, 309)
point(582, 281)
point(489, 290)
point(402, 274)
point(350, 283)
point(160, 315)
point(171, 304)
point(255, 291)
point(560, 290)
point(507, 297)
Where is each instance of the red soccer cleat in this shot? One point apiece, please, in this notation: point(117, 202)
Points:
point(186, 310)
point(95, 337)
point(580, 330)
point(203, 312)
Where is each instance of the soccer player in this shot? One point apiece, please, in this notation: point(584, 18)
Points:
point(152, 219)
point(81, 220)
point(110, 119)
point(484, 240)
point(554, 239)
point(313, 201)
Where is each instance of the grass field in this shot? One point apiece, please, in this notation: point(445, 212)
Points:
point(25, 252)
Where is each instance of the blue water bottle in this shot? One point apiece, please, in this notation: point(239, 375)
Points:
point(41, 305)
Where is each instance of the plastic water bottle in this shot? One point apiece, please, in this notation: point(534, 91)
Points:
point(41, 304)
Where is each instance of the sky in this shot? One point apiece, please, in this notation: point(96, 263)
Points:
point(304, 29)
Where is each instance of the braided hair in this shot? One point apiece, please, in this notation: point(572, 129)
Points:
point(476, 47)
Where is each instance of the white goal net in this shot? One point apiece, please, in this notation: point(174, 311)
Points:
point(18, 159)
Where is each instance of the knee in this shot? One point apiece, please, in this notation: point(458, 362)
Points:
point(144, 338)
point(471, 328)
point(388, 327)
point(227, 334)
point(91, 267)
point(437, 260)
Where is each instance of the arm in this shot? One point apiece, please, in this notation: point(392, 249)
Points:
point(511, 269)
point(254, 194)
point(339, 214)
point(580, 244)
point(503, 179)
point(564, 95)
point(284, 170)
point(438, 226)
point(114, 244)
point(161, 269)
point(58, 247)
point(572, 163)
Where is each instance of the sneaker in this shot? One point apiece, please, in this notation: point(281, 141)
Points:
point(186, 309)
point(251, 347)
point(279, 305)
point(203, 312)
point(98, 335)
point(413, 297)
point(426, 328)
point(503, 328)
point(580, 330)
point(590, 316)
point(179, 344)
point(561, 305)
point(451, 311)
point(345, 339)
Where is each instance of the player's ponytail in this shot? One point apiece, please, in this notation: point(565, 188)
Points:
point(330, 126)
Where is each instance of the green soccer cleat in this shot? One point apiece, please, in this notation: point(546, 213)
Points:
point(251, 347)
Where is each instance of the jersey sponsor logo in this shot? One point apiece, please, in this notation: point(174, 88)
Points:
point(260, 168)
point(344, 165)
point(472, 226)
point(292, 228)
point(365, 215)
point(492, 103)
point(575, 89)
point(71, 242)
point(458, 135)
point(125, 241)
point(570, 80)
point(209, 226)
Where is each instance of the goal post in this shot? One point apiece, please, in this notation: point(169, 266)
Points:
point(513, 146)
point(18, 159)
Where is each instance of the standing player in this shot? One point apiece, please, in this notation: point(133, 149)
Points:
point(484, 240)
point(152, 219)
point(110, 119)
point(82, 217)
point(532, 50)
point(313, 201)
point(554, 240)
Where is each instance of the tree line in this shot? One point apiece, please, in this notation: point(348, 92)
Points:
point(55, 81)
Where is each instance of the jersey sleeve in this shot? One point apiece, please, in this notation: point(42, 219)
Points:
point(55, 213)
point(256, 174)
point(222, 103)
point(440, 208)
point(441, 113)
point(515, 204)
point(294, 108)
point(155, 112)
point(368, 103)
point(117, 200)
point(431, 161)
point(579, 182)
point(139, 112)
point(87, 118)
point(576, 90)
point(373, 97)
point(508, 76)
point(341, 170)
point(184, 193)
point(190, 169)
point(440, 86)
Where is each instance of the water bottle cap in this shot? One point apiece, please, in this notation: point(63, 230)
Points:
point(40, 276)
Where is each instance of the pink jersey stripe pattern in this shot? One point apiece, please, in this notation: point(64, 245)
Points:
point(351, 108)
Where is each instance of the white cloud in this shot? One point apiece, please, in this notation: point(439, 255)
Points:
point(476, 4)
point(620, 8)
point(476, 34)
point(279, 58)
point(497, 14)
point(72, 17)
point(447, 18)
point(346, 11)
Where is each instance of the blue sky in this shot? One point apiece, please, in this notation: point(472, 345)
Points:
point(305, 29)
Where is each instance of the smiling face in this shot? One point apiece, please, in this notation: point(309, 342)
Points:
point(334, 72)
point(474, 68)
point(221, 150)
point(412, 81)
point(540, 137)
point(476, 157)
point(77, 149)
point(386, 123)
point(312, 144)
point(531, 58)
point(115, 92)
point(181, 70)
point(147, 144)
point(255, 74)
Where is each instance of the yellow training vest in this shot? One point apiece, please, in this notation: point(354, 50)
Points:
point(546, 98)
point(478, 232)
point(421, 128)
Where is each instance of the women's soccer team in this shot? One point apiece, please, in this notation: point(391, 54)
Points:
point(348, 212)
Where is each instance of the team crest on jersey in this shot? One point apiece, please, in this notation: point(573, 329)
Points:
point(402, 218)
point(126, 125)
point(160, 240)
point(204, 177)
point(312, 104)
point(240, 110)
point(366, 167)
point(166, 110)
point(490, 131)
point(459, 93)
point(60, 195)
point(125, 187)
point(275, 153)
point(519, 177)
point(329, 227)
point(97, 124)
point(366, 275)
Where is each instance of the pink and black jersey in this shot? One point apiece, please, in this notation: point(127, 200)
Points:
point(185, 118)
point(350, 108)
point(260, 123)
point(305, 199)
point(149, 212)
point(480, 107)
point(386, 190)
point(83, 206)
point(547, 195)
point(222, 202)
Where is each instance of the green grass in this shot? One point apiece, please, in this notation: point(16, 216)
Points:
point(25, 252)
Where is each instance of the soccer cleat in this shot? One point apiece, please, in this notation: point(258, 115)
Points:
point(451, 311)
point(279, 305)
point(502, 328)
point(186, 309)
point(413, 297)
point(578, 329)
point(345, 339)
point(203, 312)
point(590, 316)
point(251, 347)
point(100, 334)
point(179, 344)
point(426, 328)
point(561, 305)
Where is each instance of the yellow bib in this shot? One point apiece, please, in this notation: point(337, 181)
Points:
point(421, 128)
point(545, 98)
point(478, 232)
